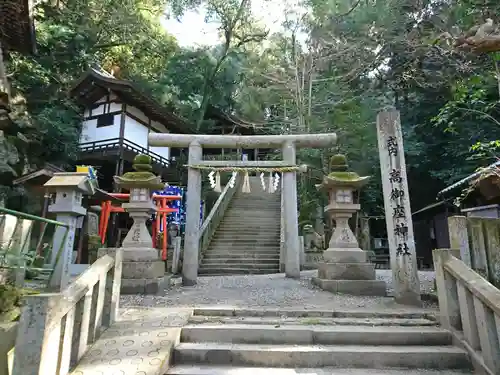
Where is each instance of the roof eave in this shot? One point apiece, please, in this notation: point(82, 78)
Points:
point(123, 87)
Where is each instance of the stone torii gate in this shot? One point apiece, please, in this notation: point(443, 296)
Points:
point(196, 143)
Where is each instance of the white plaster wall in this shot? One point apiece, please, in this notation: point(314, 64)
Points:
point(135, 132)
point(91, 133)
point(162, 151)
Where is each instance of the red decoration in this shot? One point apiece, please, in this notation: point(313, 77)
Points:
point(161, 217)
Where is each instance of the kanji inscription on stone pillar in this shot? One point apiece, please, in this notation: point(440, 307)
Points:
point(397, 209)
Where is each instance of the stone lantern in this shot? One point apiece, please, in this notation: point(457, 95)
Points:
point(143, 270)
point(345, 268)
point(141, 185)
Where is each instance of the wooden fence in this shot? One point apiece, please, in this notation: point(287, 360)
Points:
point(479, 242)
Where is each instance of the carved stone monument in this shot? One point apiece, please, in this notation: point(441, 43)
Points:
point(345, 268)
point(314, 245)
point(143, 269)
point(397, 209)
point(69, 188)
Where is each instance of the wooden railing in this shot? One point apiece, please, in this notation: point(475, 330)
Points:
point(112, 143)
point(470, 308)
point(215, 216)
point(55, 329)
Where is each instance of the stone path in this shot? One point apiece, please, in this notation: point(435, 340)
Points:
point(268, 291)
point(140, 343)
point(200, 370)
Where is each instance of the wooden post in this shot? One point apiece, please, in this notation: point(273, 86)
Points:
point(192, 236)
point(397, 209)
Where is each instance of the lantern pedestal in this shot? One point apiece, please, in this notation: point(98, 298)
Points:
point(345, 268)
point(143, 270)
point(138, 236)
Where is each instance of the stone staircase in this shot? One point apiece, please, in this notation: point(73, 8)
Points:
point(248, 239)
point(249, 341)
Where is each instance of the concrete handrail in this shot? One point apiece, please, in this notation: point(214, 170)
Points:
point(470, 305)
point(216, 214)
point(55, 329)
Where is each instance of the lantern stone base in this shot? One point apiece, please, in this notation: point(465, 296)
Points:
point(355, 287)
point(347, 271)
point(143, 270)
point(312, 260)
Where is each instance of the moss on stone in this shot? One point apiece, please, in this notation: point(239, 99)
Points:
point(10, 301)
point(338, 163)
point(143, 167)
point(345, 176)
point(138, 176)
point(142, 159)
point(142, 177)
point(142, 163)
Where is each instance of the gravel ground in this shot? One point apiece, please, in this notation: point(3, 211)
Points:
point(269, 291)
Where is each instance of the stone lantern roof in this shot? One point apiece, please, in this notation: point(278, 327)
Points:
point(341, 176)
point(142, 177)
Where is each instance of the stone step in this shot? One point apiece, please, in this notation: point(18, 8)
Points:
point(357, 356)
point(272, 242)
point(239, 370)
point(266, 206)
point(254, 224)
point(257, 232)
point(244, 256)
point(255, 228)
point(249, 265)
point(320, 321)
point(245, 216)
point(315, 335)
point(255, 202)
point(229, 239)
point(404, 313)
point(242, 252)
point(225, 244)
point(224, 271)
point(243, 239)
point(241, 261)
point(241, 218)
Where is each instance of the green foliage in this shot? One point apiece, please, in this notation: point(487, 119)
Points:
point(10, 298)
point(11, 301)
point(356, 59)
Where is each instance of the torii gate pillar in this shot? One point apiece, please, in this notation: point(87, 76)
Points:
point(287, 143)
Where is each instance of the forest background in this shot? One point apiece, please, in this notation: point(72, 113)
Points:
point(332, 66)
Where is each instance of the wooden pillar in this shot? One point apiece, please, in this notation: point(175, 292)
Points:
point(192, 234)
